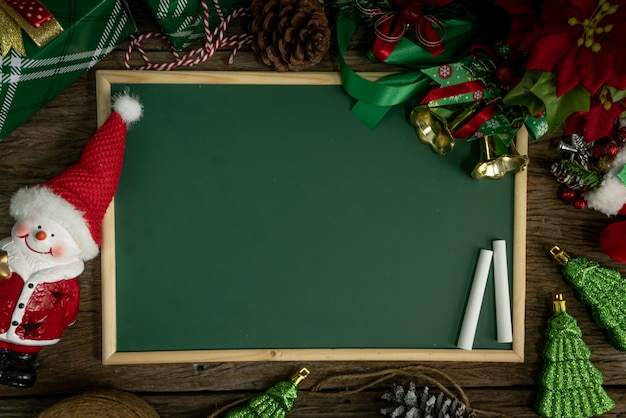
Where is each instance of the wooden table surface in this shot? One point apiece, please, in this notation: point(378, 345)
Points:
point(53, 139)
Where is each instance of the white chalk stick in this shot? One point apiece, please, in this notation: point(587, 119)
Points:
point(503, 301)
point(475, 300)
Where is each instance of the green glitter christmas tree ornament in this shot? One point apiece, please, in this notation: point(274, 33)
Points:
point(602, 289)
point(274, 402)
point(569, 384)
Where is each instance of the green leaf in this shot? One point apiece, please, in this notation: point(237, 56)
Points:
point(559, 108)
point(522, 95)
point(616, 95)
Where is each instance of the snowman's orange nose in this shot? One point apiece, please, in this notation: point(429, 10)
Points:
point(41, 235)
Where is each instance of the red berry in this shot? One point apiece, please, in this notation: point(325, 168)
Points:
point(580, 203)
point(411, 11)
point(568, 194)
point(396, 3)
point(505, 72)
point(611, 149)
point(598, 150)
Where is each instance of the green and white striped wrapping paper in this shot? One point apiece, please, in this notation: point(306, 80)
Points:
point(181, 20)
point(92, 29)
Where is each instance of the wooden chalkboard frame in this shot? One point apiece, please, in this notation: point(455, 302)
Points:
point(104, 81)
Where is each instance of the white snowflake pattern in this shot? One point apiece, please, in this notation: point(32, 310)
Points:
point(479, 134)
point(478, 95)
point(445, 71)
point(541, 128)
point(457, 65)
point(493, 123)
point(504, 49)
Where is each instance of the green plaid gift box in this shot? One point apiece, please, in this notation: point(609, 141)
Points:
point(181, 20)
point(91, 29)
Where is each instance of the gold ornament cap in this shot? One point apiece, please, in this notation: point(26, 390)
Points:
point(300, 376)
point(559, 254)
point(558, 304)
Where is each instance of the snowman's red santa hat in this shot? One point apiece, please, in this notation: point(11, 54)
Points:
point(78, 198)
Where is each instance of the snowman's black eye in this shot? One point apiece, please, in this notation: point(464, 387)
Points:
point(51, 235)
point(39, 227)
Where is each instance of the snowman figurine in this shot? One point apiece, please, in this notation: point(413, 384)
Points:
point(56, 230)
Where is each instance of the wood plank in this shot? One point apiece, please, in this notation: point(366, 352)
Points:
point(508, 402)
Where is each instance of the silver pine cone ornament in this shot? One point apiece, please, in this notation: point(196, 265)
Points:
point(408, 403)
point(289, 35)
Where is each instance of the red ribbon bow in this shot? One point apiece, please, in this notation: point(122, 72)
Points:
point(391, 26)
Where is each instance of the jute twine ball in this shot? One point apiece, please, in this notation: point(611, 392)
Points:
point(108, 403)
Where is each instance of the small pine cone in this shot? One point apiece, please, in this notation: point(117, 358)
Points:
point(411, 404)
point(289, 35)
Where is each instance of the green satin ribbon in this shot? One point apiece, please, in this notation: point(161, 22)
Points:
point(375, 98)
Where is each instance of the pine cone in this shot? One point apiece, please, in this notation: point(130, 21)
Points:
point(289, 34)
point(410, 404)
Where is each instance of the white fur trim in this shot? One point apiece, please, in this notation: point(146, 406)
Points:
point(128, 108)
point(610, 196)
point(40, 200)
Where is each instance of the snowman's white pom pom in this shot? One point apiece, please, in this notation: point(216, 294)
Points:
point(128, 107)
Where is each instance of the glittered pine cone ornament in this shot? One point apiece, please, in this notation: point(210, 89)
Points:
point(289, 35)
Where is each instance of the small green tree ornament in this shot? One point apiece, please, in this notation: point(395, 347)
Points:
point(602, 289)
point(274, 402)
point(569, 384)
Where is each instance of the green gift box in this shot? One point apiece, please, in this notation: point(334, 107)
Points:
point(91, 29)
point(181, 20)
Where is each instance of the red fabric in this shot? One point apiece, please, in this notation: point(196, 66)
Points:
point(428, 35)
point(613, 241)
point(51, 307)
point(389, 30)
point(32, 11)
point(455, 90)
point(90, 184)
point(475, 122)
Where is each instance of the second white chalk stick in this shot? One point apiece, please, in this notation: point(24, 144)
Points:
point(503, 301)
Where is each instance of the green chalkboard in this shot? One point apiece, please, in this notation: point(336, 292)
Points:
point(259, 216)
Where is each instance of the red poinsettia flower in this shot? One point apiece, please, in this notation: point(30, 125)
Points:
point(599, 121)
point(581, 42)
point(525, 18)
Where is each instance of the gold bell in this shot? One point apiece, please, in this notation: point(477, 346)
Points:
point(431, 130)
point(437, 132)
point(494, 166)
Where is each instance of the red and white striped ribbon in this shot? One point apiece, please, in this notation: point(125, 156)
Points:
point(213, 41)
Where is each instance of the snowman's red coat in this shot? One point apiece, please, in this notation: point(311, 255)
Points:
point(36, 315)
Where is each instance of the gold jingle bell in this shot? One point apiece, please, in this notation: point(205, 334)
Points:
point(5, 271)
point(494, 166)
point(436, 131)
point(431, 130)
